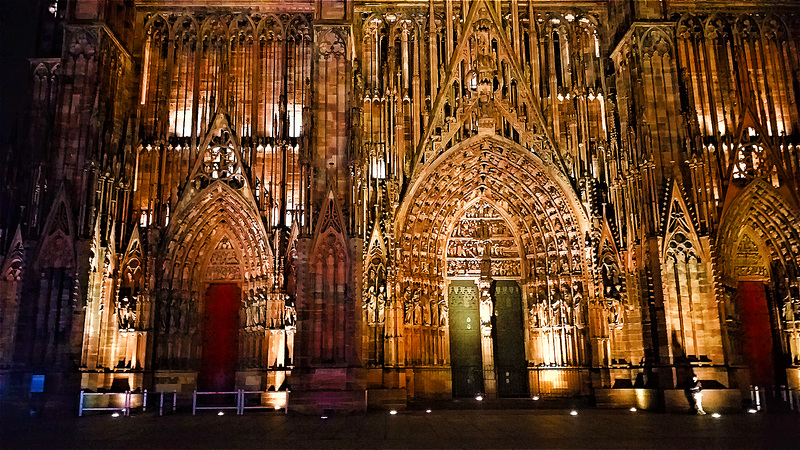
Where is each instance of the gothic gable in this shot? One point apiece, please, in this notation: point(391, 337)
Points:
point(14, 262)
point(330, 228)
point(56, 248)
point(497, 87)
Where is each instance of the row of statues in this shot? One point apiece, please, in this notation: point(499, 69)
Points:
point(418, 308)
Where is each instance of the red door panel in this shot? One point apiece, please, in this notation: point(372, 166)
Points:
point(756, 332)
point(220, 330)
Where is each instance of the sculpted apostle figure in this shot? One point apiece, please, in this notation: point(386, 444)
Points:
point(442, 305)
point(382, 304)
point(408, 310)
point(370, 306)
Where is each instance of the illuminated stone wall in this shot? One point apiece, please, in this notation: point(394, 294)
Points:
point(341, 163)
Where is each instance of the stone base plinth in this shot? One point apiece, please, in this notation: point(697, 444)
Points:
point(615, 398)
point(181, 382)
point(386, 399)
point(327, 390)
point(325, 401)
point(793, 377)
point(669, 400)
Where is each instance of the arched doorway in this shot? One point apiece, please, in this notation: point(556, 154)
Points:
point(759, 240)
point(491, 232)
point(483, 273)
point(220, 322)
point(219, 297)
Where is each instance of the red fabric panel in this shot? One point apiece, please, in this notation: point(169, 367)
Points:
point(220, 330)
point(756, 332)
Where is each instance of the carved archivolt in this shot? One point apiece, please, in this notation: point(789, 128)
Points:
point(490, 202)
point(774, 227)
point(532, 202)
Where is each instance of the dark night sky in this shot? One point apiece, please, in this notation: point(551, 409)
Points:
point(18, 20)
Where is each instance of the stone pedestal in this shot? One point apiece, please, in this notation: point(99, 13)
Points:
point(326, 390)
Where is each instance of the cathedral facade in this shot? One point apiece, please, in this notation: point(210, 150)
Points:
point(368, 202)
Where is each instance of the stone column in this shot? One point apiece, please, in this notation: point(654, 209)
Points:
point(486, 311)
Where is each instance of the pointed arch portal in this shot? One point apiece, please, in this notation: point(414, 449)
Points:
point(490, 228)
point(217, 265)
point(759, 240)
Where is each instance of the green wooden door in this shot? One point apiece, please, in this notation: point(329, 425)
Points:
point(465, 339)
point(509, 340)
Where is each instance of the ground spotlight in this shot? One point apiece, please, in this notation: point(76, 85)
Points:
point(573, 413)
point(633, 409)
point(116, 414)
point(220, 413)
point(716, 415)
point(428, 411)
point(479, 398)
point(752, 410)
point(277, 407)
point(393, 412)
point(323, 417)
point(536, 397)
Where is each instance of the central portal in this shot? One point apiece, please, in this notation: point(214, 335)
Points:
point(487, 338)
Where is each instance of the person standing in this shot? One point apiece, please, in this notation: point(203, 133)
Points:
point(694, 393)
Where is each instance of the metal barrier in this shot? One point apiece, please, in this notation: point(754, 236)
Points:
point(238, 396)
point(174, 403)
point(125, 409)
point(765, 398)
point(243, 405)
point(237, 407)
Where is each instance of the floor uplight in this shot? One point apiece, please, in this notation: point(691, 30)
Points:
point(716, 415)
point(116, 414)
point(221, 413)
point(573, 413)
point(479, 398)
point(536, 397)
point(428, 411)
point(633, 409)
point(323, 417)
point(752, 410)
point(393, 412)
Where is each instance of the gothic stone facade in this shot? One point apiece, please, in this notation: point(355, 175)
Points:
point(416, 199)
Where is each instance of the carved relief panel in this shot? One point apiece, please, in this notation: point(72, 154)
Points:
point(223, 263)
point(482, 233)
point(748, 261)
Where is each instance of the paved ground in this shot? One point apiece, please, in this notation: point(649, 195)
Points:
point(461, 428)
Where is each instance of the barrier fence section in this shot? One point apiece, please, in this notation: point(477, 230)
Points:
point(174, 403)
point(764, 398)
point(240, 396)
point(243, 404)
point(125, 408)
point(236, 395)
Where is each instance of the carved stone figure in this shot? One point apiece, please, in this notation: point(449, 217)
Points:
point(408, 308)
point(382, 301)
point(126, 313)
point(370, 305)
